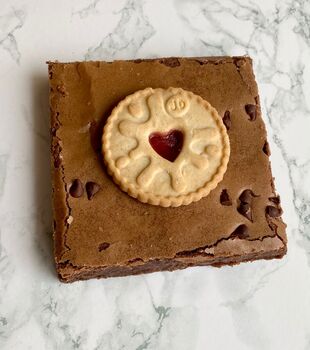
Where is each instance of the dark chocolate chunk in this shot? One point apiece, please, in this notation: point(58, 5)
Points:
point(76, 189)
point(266, 148)
point(246, 196)
point(251, 111)
point(245, 210)
point(273, 211)
point(103, 246)
point(91, 189)
point(227, 120)
point(224, 198)
point(241, 232)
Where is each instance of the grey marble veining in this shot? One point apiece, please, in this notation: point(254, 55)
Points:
point(88, 9)
point(263, 305)
point(121, 40)
point(10, 23)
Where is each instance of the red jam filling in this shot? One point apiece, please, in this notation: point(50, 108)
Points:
point(167, 145)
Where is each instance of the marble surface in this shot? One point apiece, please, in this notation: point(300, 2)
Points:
point(262, 305)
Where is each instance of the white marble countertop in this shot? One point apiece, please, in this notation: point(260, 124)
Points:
point(261, 305)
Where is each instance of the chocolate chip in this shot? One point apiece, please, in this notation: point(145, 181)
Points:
point(239, 62)
point(227, 120)
point(241, 232)
point(251, 111)
point(245, 210)
point(201, 60)
point(170, 62)
point(224, 198)
point(91, 189)
point(76, 189)
point(246, 196)
point(103, 246)
point(57, 162)
point(257, 101)
point(266, 148)
point(273, 212)
point(275, 200)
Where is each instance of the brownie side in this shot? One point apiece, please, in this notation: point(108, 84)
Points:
point(228, 254)
point(82, 96)
point(61, 209)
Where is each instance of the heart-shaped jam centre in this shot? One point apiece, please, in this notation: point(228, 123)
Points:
point(167, 145)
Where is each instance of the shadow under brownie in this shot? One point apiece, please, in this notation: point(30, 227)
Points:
point(100, 231)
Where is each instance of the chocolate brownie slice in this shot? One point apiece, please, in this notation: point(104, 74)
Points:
point(100, 231)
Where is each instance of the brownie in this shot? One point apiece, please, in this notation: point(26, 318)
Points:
point(100, 231)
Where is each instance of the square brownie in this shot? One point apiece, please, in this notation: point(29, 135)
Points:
point(100, 231)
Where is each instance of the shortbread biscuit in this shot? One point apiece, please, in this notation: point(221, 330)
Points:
point(166, 147)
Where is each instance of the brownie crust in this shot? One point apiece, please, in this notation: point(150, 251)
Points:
point(99, 231)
